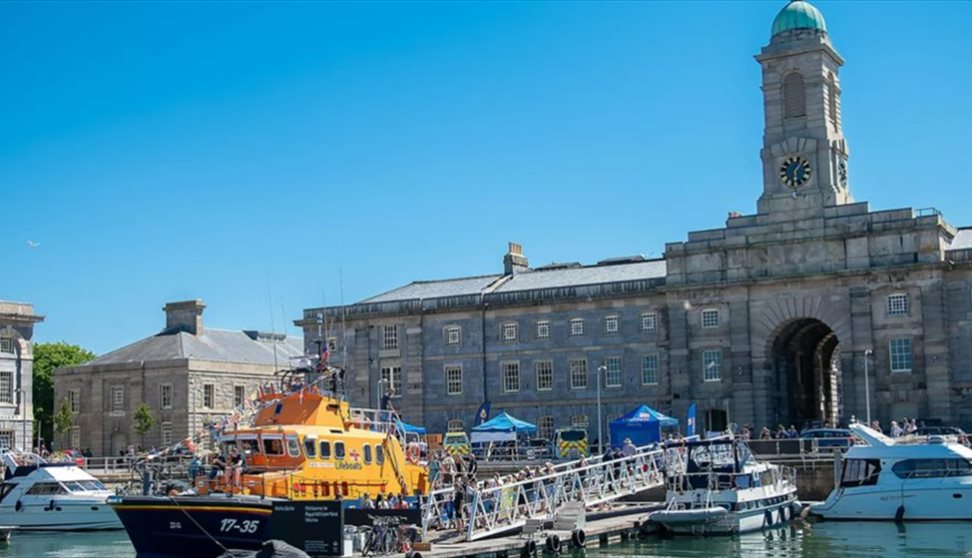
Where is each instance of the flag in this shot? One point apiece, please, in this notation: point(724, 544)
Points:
point(690, 421)
point(482, 415)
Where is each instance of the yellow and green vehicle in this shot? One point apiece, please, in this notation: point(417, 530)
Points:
point(570, 443)
point(456, 443)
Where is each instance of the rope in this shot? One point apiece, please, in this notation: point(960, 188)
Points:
point(198, 526)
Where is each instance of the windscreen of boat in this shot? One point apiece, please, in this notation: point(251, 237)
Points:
point(715, 456)
point(932, 468)
point(46, 489)
point(248, 444)
point(293, 448)
point(860, 472)
point(273, 444)
point(5, 489)
point(573, 435)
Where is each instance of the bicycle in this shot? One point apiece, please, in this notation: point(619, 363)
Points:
point(388, 535)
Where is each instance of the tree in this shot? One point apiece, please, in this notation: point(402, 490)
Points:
point(64, 419)
point(48, 357)
point(143, 420)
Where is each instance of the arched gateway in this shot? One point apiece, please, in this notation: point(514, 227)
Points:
point(805, 357)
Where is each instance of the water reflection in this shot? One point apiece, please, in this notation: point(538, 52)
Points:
point(837, 539)
point(96, 544)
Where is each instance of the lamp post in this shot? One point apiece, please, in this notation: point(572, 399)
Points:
point(22, 394)
point(378, 394)
point(867, 387)
point(600, 434)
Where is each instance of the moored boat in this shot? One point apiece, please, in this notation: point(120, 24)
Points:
point(894, 479)
point(724, 490)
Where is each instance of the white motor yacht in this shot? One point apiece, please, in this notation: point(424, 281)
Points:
point(725, 490)
point(37, 495)
point(895, 479)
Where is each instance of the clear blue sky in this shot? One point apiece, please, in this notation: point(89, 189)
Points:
point(251, 154)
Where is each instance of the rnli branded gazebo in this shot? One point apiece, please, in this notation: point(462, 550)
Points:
point(643, 425)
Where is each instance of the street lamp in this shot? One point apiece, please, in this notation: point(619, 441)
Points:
point(23, 417)
point(600, 434)
point(867, 387)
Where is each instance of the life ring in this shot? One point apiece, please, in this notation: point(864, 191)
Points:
point(413, 454)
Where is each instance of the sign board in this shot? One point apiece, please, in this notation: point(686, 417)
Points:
point(316, 527)
point(358, 516)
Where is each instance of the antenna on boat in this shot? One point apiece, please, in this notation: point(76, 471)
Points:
point(344, 319)
point(273, 333)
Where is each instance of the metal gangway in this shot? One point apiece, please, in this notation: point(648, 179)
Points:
point(491, 509)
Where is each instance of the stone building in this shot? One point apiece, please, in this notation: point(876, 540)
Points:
point(188, 376)
point(778, 317)
point(16, 374)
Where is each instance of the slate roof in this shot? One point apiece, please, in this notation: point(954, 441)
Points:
point(962, 240)
point(589, 275)
point(437, 289)
point(214, 344)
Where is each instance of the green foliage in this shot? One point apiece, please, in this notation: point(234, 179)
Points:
point(64, 419)
point(48, 357)
point(143, 419)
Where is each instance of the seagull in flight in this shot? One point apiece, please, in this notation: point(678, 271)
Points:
point(32, 244)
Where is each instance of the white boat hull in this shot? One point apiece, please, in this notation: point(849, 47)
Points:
point(708, 521)
point(935, 501)
point(66, 515)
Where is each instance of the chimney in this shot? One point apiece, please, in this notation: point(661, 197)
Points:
point(514, 261)
point(184, 316)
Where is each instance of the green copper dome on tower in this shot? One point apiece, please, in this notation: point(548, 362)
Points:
point(798, 15)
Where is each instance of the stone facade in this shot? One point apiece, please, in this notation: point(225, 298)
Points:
point(188, 376)
point(16, 374)
point(774, 318)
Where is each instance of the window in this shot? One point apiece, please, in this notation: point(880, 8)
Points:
point(309, 448)
point(455, 425)
point(544, 370)
point(6, 345)
point(379, 454)
point(453, 335)
point(545, 427)
point(209, 396)
point(712, 365)
point(239, 396)
point(860, 472)
point(325, 450)
point(389, 338)
point(649, 369)
point(509, 333)
point(367, 454)
point(648, 321)
point(898, 304)
point(74, 400)
point(165, 396)
point(511, 376)
point(832, 98)
point(543, 329)
point(794, 96)
point(6, 387)
point(611, 324)
point(117, 399)
point(6, 439)
point(710, 318)
point(932, 468)
point(76, 437)
point(166, 434)
point(900, 351)
point(392, 377)
point(273, 446)
point(338, 451)
point(578, 373)
point(579, 421)
point(577, 326)
point(612, 376)
point(453, 380)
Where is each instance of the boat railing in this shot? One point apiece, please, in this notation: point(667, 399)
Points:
point(378, 420)
point(726, 480)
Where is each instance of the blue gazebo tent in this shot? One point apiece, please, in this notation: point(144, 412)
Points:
point(501, 428)
point(411, 428)
point(643, 425)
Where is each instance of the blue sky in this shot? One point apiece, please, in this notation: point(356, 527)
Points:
point(259, 155)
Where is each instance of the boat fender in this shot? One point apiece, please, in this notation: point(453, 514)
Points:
point(578, 538)
point(19, 506)
point(899, 514)
point(529, 548)
point(413, 554)
point(553, 544)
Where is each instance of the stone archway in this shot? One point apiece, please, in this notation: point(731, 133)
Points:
point(805, 358)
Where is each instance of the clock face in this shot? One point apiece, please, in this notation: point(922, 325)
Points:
point(842, 173)
point(795, 171)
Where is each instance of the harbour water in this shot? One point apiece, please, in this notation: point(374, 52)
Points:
point(820, 540)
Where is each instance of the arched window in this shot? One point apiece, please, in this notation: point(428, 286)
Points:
point(794, 96)
point(832, 98)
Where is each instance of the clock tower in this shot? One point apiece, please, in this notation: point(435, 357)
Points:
point(804, 151)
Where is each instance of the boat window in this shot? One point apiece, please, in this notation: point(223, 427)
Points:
point(367, 454)
point(248, 446)
point(325, 450)
point(5, 489)
point(310, 448)
point(93, 485)
point(273, 446)
point(75, 486)
point(379, 454)
point(293, 448)
point(46, 489)
point(339, 450)
point(931, 468)
point(860, 472)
